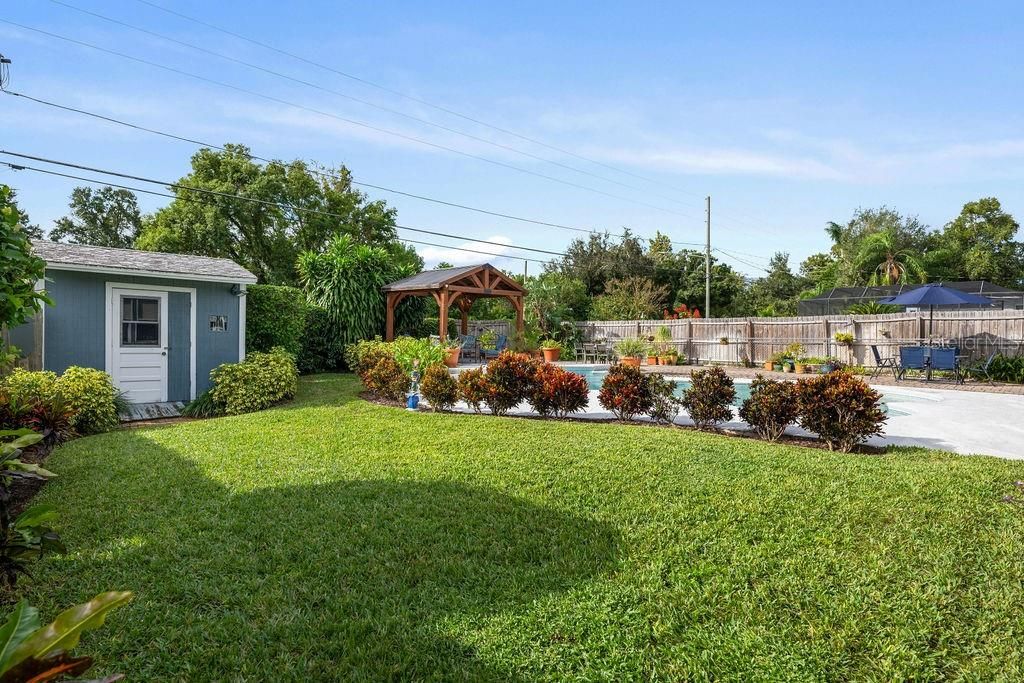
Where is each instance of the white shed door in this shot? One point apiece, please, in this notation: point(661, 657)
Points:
point(138, 335)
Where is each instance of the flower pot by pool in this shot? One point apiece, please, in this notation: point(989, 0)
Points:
point(451, 358)
point(777, 367)
point(800, 368)
point(768, 365)
point(631, 360)
point(652, 360)
point(551, 355)
point(666, 360)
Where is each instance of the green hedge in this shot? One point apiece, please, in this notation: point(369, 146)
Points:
point(258, 382)
point(322, 350)
point(275, 316)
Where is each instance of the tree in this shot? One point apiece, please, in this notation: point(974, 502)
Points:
point(633, 298)
point(298, 210)
point(774, 294)
point(33, 232)
point(554, 298)
point(19, 299)
point(107, 217)
point(598, 259)
point(891, 258)
point(979, 244)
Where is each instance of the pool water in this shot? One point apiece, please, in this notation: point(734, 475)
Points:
point(595, 375)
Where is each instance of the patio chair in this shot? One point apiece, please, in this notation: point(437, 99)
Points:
point(945, 359)
point(500, 345)
point(470, 348)
point(579, 351)
point(602, 352)
point(911, 358)
point(882, 364)
point(981, 372)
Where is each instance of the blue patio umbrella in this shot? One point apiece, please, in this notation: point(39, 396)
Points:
point(936, 294)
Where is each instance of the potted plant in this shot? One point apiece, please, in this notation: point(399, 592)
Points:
point(551, 349)
point(452, 349)
point(724, 341)
point(844, 339)
point(663, 346)
point(777, 360)
point(630, 351)
point(800, 365)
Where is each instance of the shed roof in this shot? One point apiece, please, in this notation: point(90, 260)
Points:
point(82, 257)
point(437, 279)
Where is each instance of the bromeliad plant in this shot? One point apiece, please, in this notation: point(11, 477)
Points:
point(511, 378)
point(32, 652)
point(472, 388)
point(439, 387)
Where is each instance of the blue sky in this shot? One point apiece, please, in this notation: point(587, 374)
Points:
point(788, 114)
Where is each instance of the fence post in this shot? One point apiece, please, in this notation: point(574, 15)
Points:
point(750, 341)
point(827, 338)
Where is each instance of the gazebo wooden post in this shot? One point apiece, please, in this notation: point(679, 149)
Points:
point(389, 327)
point(517, 303)
point(442, 304)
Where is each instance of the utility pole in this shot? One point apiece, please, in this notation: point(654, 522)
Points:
point(526, 270)
point(707, 263)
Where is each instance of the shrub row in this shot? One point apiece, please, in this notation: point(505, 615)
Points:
point(80, 401)
point(840, 408)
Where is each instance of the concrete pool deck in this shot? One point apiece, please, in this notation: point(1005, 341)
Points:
point(967, 422)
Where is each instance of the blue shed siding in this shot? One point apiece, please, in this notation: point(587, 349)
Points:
point(23, 337)
point(179, 331)
point(76, 325)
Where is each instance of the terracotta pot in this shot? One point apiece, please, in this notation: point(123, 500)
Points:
point(666, 360)
point(451, 358)
point(551, 355)
point(652, 360)
point(631, 360)
point(768, 365)
point(800, 368)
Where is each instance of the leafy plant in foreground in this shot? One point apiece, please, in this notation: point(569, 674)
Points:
point(709, 399)
point(626, 392)
point(840, 408)
point(258, 382)
point(203, 405)
point(28, 536)
point(772, 407)
point(93, 396)
point(33, 653)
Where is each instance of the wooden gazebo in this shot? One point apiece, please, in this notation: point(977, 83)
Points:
point(455, 286)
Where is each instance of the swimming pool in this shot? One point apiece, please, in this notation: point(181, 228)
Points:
point(595, 374)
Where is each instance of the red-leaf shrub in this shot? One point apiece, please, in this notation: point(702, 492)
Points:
point(387, 379)
point(772, 407)
point(511, 378)
point(626, 392)
point(664, 403)
point(558, 392)
point(840, 408)
point(473, 387)
point(439, 387)
point(709, 399)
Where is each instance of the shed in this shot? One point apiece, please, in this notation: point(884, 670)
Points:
point(157, 323)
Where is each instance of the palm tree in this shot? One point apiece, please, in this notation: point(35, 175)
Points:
point(888, 259)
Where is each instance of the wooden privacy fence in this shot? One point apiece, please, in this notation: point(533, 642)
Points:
point(743, 341)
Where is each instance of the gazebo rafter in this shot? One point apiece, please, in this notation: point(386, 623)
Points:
point(458, 287)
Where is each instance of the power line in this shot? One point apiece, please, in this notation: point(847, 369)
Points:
point(323, 173)
point(427, 103)
point(228, 195)
point(322, 88)
point(355, 122)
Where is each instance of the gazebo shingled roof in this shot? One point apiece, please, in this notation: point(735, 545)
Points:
point(455, 286)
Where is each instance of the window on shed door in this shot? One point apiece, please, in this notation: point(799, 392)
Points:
point(140, 321)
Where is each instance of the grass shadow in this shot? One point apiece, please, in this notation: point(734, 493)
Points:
point(364, 579)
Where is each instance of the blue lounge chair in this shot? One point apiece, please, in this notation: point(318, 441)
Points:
point(882, 364)
point(945, 359)
point(500, 345)
point(470, 349)
point(911, 358)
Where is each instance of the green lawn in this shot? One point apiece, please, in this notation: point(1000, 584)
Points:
point(335, 539)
